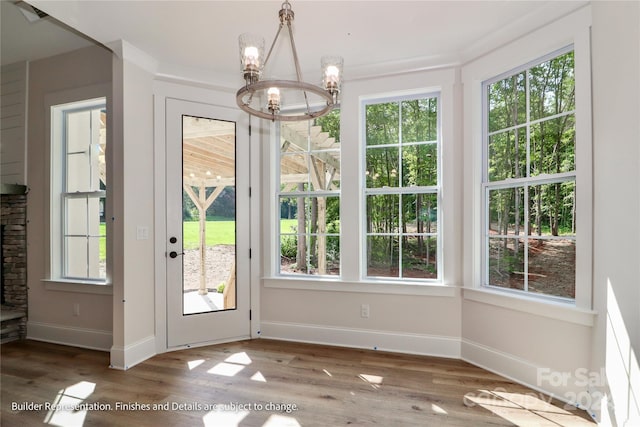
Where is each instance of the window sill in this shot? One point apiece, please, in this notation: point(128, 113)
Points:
point(555, 310)
point(79, 286)
point(370, 287)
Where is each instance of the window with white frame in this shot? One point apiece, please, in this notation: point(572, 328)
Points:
point(529, 178)
point(78, 190)
point(402, 188)
point(308, 199)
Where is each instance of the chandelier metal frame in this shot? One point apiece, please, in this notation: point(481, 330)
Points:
point(256, 87)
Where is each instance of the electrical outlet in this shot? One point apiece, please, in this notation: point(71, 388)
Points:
point(364, 311)
point(76, 309)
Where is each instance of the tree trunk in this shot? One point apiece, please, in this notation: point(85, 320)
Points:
point(556, 211)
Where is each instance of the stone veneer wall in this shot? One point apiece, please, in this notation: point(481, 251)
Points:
point(13, 208)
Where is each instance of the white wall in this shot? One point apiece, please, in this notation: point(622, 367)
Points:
point(13, 122)
point(517, 336)
point(82, 74)
point(132, 199)
point(177, 89)
point(616, 140)
point(408, 318)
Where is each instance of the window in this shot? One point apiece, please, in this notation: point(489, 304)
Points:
point(402, 188)
point(78, 178)
point(529, 178)
point(309, 196)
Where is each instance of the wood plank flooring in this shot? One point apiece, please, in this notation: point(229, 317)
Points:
point(263, 383)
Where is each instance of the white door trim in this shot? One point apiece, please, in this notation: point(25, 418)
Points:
point(162, 91)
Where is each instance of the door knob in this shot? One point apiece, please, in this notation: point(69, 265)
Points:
point(174, 254)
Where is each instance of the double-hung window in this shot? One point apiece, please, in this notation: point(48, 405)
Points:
point(402, 188)
point(78, 193)
point(309, 196)
point(529, 178)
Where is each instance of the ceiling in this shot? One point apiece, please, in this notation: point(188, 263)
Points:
point(22, 40)
point(198, 39)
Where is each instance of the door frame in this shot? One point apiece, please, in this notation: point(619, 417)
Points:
point(162, 92)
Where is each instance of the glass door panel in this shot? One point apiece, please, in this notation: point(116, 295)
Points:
point(209, 215)
point(207, 228)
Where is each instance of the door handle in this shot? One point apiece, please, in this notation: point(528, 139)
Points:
point(174, 254)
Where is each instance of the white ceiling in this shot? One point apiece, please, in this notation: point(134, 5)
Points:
point(22, 40)
point(198, 39)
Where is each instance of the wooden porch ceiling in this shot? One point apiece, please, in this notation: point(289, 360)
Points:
point(209, 152)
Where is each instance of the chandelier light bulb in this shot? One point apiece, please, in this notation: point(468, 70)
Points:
point(273, 99)
point(251, 58)
point(332, 74)
point(319, 99)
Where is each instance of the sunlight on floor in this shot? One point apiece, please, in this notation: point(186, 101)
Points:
point(64, 412)
point(224, 418)
point(194, 364)
point(438, 410)
point(524, 408)
point(239, 358)
point(231, 365)
point(259, 377)
point(226, 369)
point(374, 381)
point(281, 421)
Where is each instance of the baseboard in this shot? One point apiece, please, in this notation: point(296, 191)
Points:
point(66, 335)
point(126, 357)
point(402, 342)
point(524, 372)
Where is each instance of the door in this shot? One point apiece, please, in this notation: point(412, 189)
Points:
point(207, 181)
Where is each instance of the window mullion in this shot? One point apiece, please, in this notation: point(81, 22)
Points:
point(527, 95)
point(534, 180)
point(87, 239)
point(400, 196)
point(548, 142)
point(410, 134)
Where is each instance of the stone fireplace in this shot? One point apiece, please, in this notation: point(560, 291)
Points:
point(13, 244)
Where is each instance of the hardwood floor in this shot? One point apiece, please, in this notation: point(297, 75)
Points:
point(263, 383)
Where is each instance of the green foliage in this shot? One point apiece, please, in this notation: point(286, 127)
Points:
point(224, 206)
point(330, 123)
point(544, 145)
point(189, 210)
point(220, 288)
point(289, 246)
point(402, 152)
point(103, 241)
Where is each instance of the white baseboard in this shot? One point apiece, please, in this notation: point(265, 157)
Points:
point(66, 335)
point(523, 372)
point(402, 342)
point(126, 357)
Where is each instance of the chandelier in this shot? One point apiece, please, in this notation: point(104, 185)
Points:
point(263, 98)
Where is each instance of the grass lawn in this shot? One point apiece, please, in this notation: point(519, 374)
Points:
point(288, 225)
point(219, 232)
